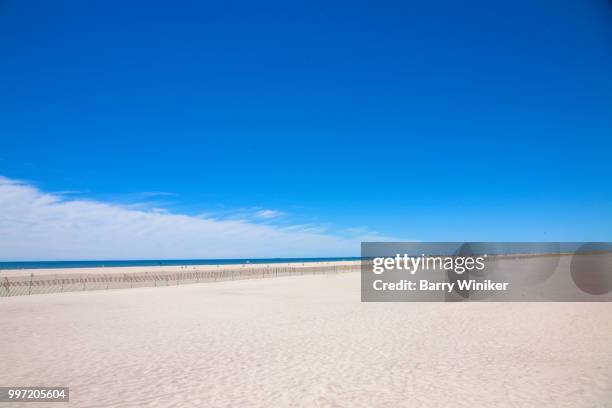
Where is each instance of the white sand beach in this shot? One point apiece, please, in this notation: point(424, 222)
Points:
point(304, 341)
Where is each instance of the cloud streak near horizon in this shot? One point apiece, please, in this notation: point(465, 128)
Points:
point(35, 225)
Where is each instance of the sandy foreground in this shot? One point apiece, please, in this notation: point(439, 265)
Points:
point(303, 341)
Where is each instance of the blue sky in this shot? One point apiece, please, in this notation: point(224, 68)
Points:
point(435, 121)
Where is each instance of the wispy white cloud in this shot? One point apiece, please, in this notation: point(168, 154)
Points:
point(251, 214)
point(268, 214)
point(365, 234)
point(68, 192)
point(36, 225)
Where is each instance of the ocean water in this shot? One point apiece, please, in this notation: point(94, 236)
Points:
point(173, 262)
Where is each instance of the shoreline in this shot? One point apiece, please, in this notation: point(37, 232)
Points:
point(169, 269)
point(231, 266)
point(135, 262)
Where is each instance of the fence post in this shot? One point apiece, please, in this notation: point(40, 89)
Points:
point(30, 288)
